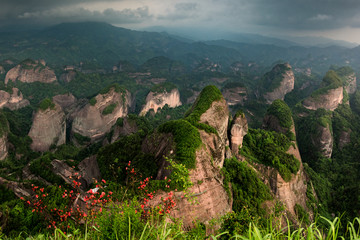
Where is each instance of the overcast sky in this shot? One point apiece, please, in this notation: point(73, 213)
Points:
point(338, 19)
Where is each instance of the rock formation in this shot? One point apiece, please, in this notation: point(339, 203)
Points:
point(2, 70)
point(127, 127)
point(159, 100)
point(68, 76)
point(323, 141)
point(212, 199)
point(290, 193)
point(64, 100)
point(280, 80)
point(13, 101)
point(350, 83)
point(235, 95)
point(238, 129)
point(344, 138)
point(329, 100)
point(31, 71)
point(48, 128)
point(94, 121)
point(4, 129)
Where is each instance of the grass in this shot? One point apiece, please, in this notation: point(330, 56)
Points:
point(164, 230)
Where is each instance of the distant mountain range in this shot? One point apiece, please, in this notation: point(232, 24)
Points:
point(103, 45)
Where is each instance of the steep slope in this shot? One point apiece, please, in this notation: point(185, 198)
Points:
point(329, 96)
point(4, 129)
point(278, 82)
point(30, 71)
point(14, 100)
point(159, 96)
point(291, 193)
point(49, 126)
point(97, 117)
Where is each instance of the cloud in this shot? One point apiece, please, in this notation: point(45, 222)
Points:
point(320, 17)
point(57, 15)
point(181, 11)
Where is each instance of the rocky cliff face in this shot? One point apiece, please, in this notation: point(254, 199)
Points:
point(13, 101)
point(2, 70)
point(235, 95)
point(350, 85)
point(238, 129)
point(68, 76)
point(323, 141)
point(31, 71)
point(159, 100)
point(284, 74)
point(212, 201)
point(94, 121)
point(329, 100)
point(294, 191)
point(3, 147)
point(344, 138)
point(49, 127)
point(128, 127)
point(64, 100)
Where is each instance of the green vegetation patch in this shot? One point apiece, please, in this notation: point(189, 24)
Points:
point(270, 148)
point(272, 80)
point(92, 101)
point(4, 125)
point(163, 87)
point(248, 189)
point(46, 103)
point(42, 167)
point(81, 139)
point(330, 81)
point(187, 139)
point(109, 109)
point(117, 88)
point(207, 96)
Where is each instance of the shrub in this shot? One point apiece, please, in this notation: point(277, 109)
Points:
point(46, 103)
point(109, 109)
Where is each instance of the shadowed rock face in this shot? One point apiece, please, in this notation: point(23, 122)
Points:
point(329, 101)
point(49, 127)
point(92, 122)
point(238, 130)
point(350, 85)
point(286, 85)
point(64, 100)
point(68, 76)
point(323, 141)
point(344, 138)
point(3, 147)
point(14, 100)
point(159, 100)
point(31, 71)
point(235, 96)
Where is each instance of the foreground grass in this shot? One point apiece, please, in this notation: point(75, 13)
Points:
point(166, 230)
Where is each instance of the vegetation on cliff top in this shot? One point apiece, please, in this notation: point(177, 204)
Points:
point(270, 148)
point(163, 87)
point(207, 96)
point(272, 80)
point(46, 103)
point(187, 139)
point(330, 81)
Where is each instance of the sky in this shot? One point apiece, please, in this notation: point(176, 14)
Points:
point(337, 19)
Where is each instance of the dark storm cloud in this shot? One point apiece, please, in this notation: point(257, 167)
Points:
point(299, 14)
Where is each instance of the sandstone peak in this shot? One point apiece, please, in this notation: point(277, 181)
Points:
point(13, 100)
point(49, 126)
point(159, 96)
point(238, 129)
point(30, 71)
point(328, 96)
point(278, 82)
point(97, 117)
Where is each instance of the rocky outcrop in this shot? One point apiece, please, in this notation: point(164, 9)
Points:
point(68, 76)
point(127, 127)
point(13, 101)
point(48, 128)
point(94, 121)
point(88, 171)
point(344, 138)
point(329, 100)
point(238, 129)
point(284, 74)
point(2, 70)
point(323, 141)
point(31, 71)
point(64, 100)
point(3, 147)
point(159, 100)
point(234, 96)
point(350, 83)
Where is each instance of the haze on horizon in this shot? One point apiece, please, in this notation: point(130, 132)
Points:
point(336, 19)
